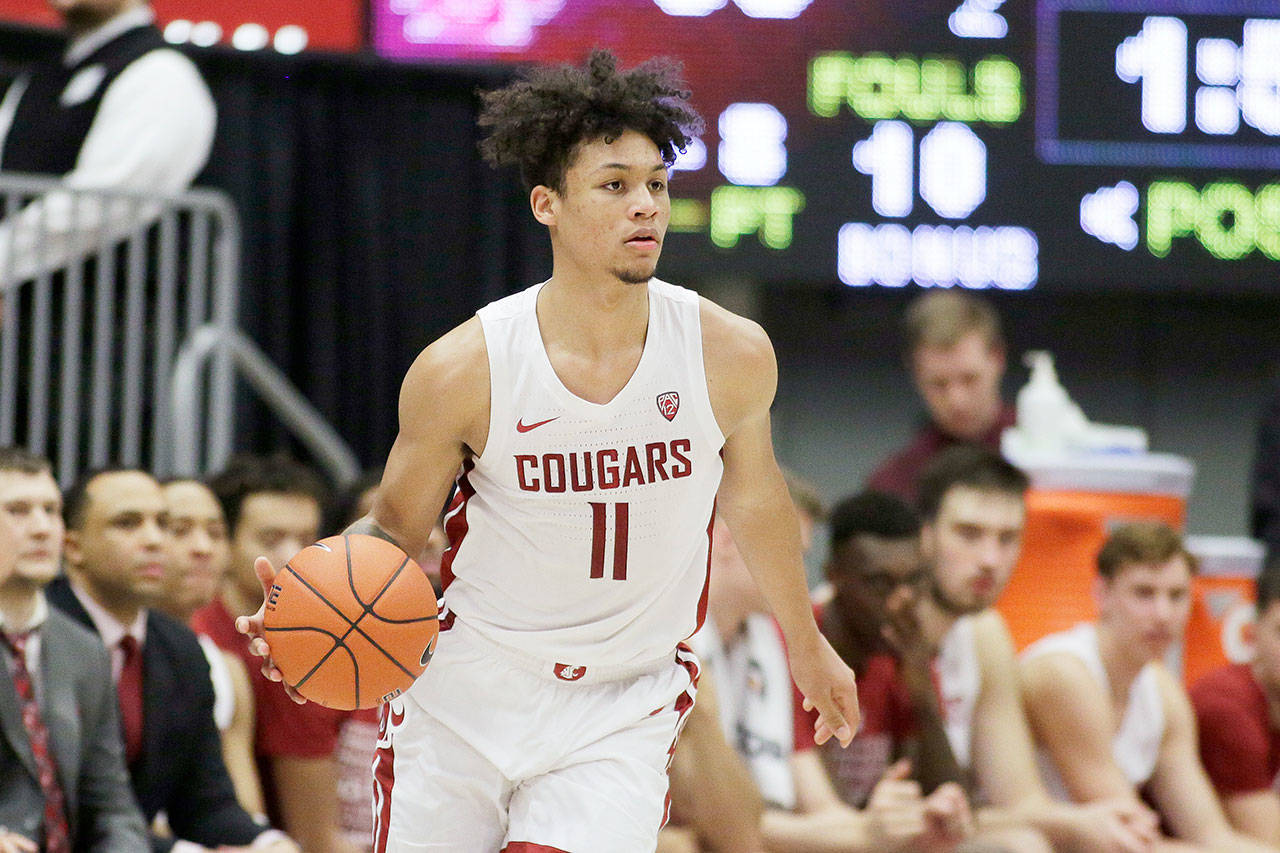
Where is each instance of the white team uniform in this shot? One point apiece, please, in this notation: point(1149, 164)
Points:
point(757, 705)
point(1135, 747)
point(578, 562)
point(959, 680)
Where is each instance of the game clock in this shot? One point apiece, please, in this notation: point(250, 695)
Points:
point(1059, 144)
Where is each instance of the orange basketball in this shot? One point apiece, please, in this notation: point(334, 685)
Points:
point(351, 621)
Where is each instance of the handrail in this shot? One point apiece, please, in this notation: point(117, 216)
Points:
point(293, 409)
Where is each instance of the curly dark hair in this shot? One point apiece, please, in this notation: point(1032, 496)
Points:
point(538, 122)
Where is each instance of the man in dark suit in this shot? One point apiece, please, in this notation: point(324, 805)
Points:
point(70, 731)
point(116, 553)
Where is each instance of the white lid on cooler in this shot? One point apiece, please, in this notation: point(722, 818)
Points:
point(1227, 556)
point(1135, 473)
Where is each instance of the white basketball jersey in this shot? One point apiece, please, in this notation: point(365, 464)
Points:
point(1136, 745)
point(959, 683)
point(582, 533)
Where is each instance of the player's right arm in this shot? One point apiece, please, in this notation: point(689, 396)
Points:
point(444, 416)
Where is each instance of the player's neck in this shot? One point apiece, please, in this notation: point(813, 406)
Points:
point(1118, 659)
point(17, 604)
point(936, 621)
point(593, 317)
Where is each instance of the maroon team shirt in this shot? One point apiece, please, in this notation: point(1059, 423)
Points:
point(887, 720)
point(1239, 748)
point(899, 473)
point(282, 727)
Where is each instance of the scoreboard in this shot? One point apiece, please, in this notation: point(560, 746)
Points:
point(288, 26)
point(1007, 144)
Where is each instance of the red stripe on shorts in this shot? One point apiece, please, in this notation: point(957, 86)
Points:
point(455, 525)
point(528, 847)
point(384, 778)
point(683, 704)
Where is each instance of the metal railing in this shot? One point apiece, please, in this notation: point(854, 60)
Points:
point(102, 291)
point(271, 385)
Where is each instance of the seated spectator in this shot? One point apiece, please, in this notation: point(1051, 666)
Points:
point(742, 648)
point(197, 568)
point(875, 574)
point(274, 507)
point(116, 551)
point(956, 353)
point(1238, 711)
point(1111, 719)
point(972, 518)
point(64, 783)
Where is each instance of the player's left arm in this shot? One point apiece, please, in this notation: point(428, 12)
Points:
point(1180, 786)
point(742, 375)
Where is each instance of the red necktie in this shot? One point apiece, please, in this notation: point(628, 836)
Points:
point(129, 689)
point(56, 835)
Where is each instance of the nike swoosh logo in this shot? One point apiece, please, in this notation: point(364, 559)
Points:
point(521, 426)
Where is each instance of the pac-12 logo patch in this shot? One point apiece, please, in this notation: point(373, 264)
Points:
point(669, 404)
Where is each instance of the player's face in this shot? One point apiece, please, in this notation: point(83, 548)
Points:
point(960, 385)
point(33, 506)
point(871, 573)
point(972, 546)
point(198, 540)
point(122, 550)
point(272, 525)
point(1266, 659)
point(612, 217)
point(1146, 605)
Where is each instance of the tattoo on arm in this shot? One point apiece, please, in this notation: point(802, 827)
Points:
point(369, 527)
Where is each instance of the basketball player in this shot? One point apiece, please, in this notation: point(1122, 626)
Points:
point(972, 518)
point(594, 417)
point(1111, 719)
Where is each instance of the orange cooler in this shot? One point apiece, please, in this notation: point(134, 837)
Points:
point(1072, 504)
point(1221, 604)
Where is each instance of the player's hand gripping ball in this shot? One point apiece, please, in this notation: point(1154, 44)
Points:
point(351, 621)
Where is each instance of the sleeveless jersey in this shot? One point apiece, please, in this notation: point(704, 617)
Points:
point(582, 533)
point(959, 680)
point(1136, 745)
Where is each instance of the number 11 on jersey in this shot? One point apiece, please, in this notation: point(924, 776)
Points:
point(599, 533)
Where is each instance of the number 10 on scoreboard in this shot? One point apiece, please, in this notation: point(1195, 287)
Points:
point(1234, 81)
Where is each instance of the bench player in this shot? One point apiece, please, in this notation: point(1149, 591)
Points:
point(598, 420)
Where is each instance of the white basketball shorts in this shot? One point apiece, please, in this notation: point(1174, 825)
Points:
point(492, 751)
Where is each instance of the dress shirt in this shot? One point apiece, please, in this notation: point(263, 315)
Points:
point(32, 657)
point(111, 629)
point(153, 132)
